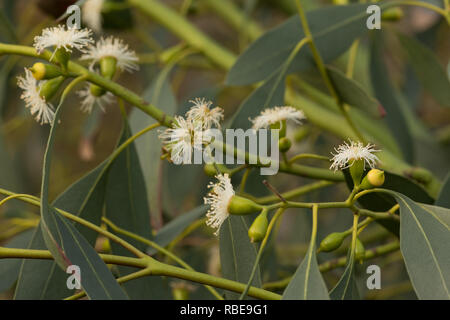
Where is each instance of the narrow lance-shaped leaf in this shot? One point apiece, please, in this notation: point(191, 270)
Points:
point(307, 282)
point(68, 246)
point(334, 29)
point(428, 69)
point(424, 239)
point(237, 253)
point(346, 288)
point(127, 207)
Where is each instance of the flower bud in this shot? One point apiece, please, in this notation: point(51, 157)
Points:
point(356, 171)
point(284, 144)
point(242, 206)
point(374, 178)
point(41, 71)
point(50, 87)
point(62, 56)
point(360, 252)
point(108, 67)
point(392, 14)
point(97, 91)
point(332, 241)
point(258, 229)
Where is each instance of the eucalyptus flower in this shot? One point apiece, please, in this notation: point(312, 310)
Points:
point(180, 140)
point(92, 14)
point(202, 113)
point(115, 48)
point(89, 100)
point(39, 107)
point(276, 115)
point(62, 37)
point(347, 154)
point(219, 199)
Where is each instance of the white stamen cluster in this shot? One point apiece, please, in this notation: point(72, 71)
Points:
point(62, 37)
point(115, 48)
point(190, 132)
point(41, 109)
point(277, 114)
point(89, 100)
point(218, 199)
point(92, 14)
point(347, 154)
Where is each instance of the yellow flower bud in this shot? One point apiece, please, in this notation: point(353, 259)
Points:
point(258, 229)
point(242, 206)
point(374, 178)
point(332, 241)
point(41, 71)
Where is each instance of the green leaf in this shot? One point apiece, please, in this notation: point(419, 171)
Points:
point(270, 94)
point(334, 29)
point(9, 268)
point(307, 282)
point(443, 200)
point(346, 288)
point(428, 69)
point(41, 279)
point(159, 94)
point(384, 92)
point(353, 93)
point(126, 205)
point(171, 230)
point(424, 239)
point(67, 245)
point(237, 253)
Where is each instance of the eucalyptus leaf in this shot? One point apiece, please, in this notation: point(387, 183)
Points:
point(334, 29)
point(126, 205)
point(9, 268)
point(428, 69)
point(237, 253)
point(384, 92)
point(346, 288)
point(307, 282)
point(352, 93)
point(424, 239)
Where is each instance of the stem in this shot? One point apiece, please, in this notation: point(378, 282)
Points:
point(157, 247)
point(261, 250)
point(307, 156)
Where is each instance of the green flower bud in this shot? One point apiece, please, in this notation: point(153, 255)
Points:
point(284, 144)
point(258, 229)
point(332, 241)
point(374, 178)
point(96, 90)
point(360, 252)
point(108, 67)
point(340, 2)
point(50, 87)
point(356, 171)
point(392, 14)
point(242, 206)
point(41, 71)
point(280, 126)
point(62, 56)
